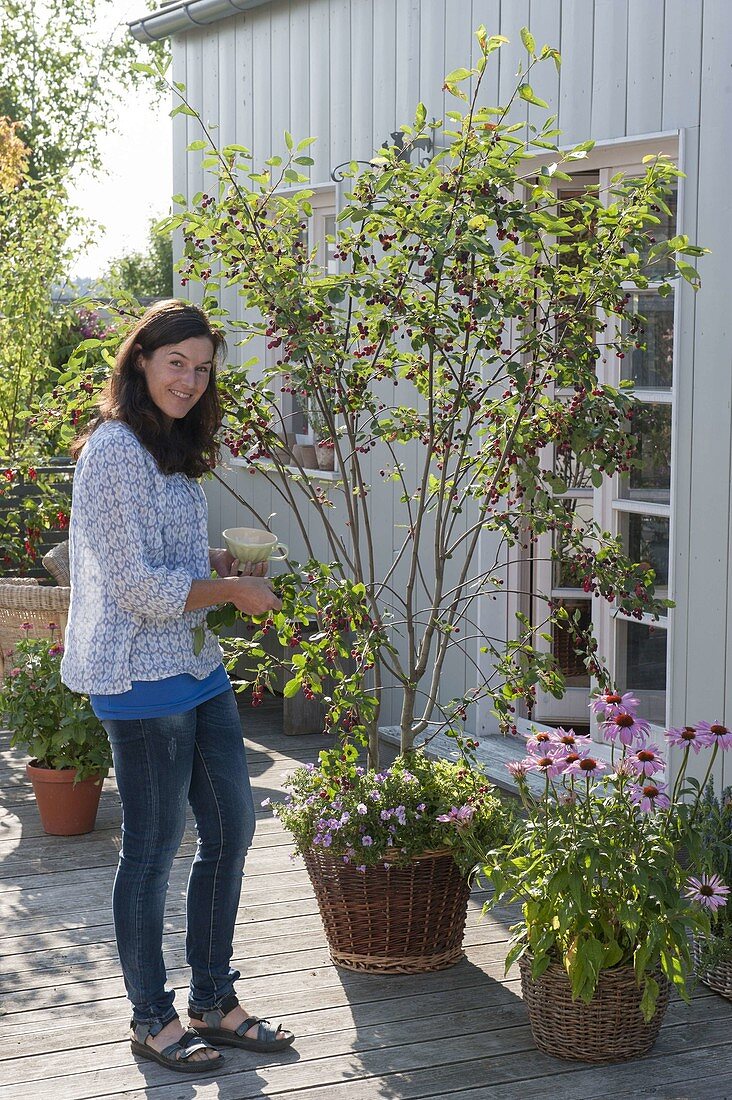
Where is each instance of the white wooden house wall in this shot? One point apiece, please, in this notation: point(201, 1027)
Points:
point(349, 71)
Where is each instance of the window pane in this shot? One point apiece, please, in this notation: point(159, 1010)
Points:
point(659, 269)
point(642, 667)
point(579, 514)
point(650, 476)
point(651, 366)
point(564, 644)
point(330, 231)
point(645, 539)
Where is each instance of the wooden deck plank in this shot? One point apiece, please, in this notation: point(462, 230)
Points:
point(460, 1034)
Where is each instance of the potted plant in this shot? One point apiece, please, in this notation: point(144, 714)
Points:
point(712, 952)
point(599, 866)
point(438, 358)
point(68, 746)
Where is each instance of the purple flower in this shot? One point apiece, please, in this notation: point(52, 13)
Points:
point(540, 742)
point(519, 768)
point(385, 815)
point(362, 868)
point(692, 737)
point(586, 765)
point(367, 841)
point(551, 763)
point(718, 734)
point(460, 817)
point(646, 760)
point(568, 739)
point(361, 808)
point(401, 815)
point(374, 796)
point(422, 807)
point(709, 891)
point(609, 702)
point(649, 795)
point(624, 725)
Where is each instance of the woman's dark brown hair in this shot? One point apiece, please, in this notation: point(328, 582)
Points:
point(188, 446)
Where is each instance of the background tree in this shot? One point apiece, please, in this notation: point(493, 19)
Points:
point(147, 274)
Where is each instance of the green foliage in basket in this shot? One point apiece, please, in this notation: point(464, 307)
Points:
point(715, 842)
point(57, 727)
point(416, 805)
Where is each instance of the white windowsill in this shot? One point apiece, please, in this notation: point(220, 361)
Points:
point(313, 475)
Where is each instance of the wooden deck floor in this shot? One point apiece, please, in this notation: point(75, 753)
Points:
point(460, 1033)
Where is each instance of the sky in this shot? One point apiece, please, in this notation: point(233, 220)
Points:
point(137, 185)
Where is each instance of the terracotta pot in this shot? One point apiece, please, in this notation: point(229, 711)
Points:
point(325, 457)
point(65, 809)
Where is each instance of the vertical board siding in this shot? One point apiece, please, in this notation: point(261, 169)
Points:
point(609, 80)
point(681, 63)
point(407, 59)
point(320, 89)
point(180, 161)
point(514, 16)
point(709, 683)
point(575, 82)
point(300, 77)
point(340, 82)
point(545, 24)
point(279, 90)
point(645, 66)
point(262, 86)
point(487, 13)
point(383, 54)
point(431, 59)
point(363, 78)
point(458, 44)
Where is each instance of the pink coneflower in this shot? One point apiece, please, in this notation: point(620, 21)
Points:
point(551, 763)
point(539, 742)
point(709, 891)
point(588, 766)
point(646, 760)
point(624, 769)
point(649, 796)
point(626, 727)
point(519, 768)
point(609, 702)
point(458, 816)
point(719, 734)
point(693, 737)
point(570, 740)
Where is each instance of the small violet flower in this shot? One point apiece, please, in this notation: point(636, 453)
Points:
point(609, 702)
point(649, 796)
point(626, 726)
point(718, 734)
point(693, 737)
point(367, 841)
point(647, 761)
point(708, 890)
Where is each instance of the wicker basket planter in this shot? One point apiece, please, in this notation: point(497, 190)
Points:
point(26, 609)
point(718, 975)
point(404, 920)
point(608, 1029)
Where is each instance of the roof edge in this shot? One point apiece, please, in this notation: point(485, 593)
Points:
point(185, 15)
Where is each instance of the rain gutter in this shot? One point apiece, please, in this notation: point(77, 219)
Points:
point(185, 15)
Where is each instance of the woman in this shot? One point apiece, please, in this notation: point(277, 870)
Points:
point(140, 585)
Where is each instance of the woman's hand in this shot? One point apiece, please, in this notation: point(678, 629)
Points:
point(253, 595)
point(226, 565)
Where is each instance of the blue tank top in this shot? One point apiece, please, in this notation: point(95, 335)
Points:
point(157, 698)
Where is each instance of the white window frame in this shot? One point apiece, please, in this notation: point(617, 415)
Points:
point(609, 158)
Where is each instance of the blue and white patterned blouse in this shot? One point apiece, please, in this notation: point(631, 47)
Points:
point(137, 539)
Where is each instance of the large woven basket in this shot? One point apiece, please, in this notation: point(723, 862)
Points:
point(718, 975)
point(610, 1028)
point(26, 610)
point(404, 920)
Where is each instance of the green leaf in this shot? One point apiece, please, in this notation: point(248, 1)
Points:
point(196, 145)
point(528, 40)
point(527, 92)
point(199, 637)
point(456, 76)
point(289, 140)
point(291, 689)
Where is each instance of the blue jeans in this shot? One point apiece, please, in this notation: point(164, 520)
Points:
point(160, 764)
